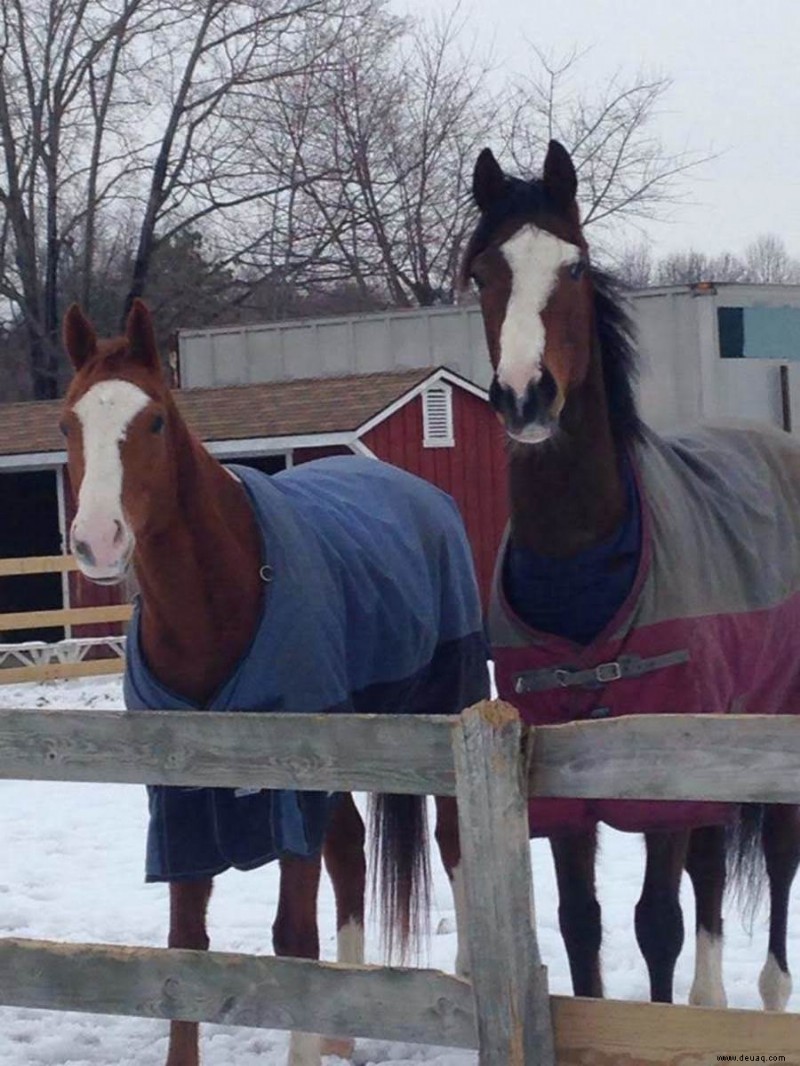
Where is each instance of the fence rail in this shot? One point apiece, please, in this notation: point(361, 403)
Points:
point(39, 665)
point(37, 564)
point(731, 758)
point(506, 1008)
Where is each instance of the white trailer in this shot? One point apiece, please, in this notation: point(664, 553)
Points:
point(708, 351)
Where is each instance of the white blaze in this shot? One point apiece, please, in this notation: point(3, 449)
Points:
point(105, 412)
point(534, 259)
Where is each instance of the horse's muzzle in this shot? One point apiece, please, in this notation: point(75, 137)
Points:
point(532, 418)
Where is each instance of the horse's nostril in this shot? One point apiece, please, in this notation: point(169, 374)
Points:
point(118, 533)
point(83, 551)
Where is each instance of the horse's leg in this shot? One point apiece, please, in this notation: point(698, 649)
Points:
point(659, 920)
point(578, 909)
point(346, 865)
point(705, 864)
point(188, 905)
point(781, 841)
point(295, 934)
point(449, 845)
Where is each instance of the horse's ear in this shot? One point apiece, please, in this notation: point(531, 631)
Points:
point(559, 175)
point(80, 339)
point(141, 336)
point(488, 180)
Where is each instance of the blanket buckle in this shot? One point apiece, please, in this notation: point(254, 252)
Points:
point(606, 672)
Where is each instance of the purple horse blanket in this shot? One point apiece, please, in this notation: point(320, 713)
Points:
point(709, 626)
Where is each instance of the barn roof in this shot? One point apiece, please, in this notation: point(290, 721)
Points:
point(239, 412)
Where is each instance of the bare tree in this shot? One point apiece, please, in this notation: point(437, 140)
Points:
point(767, 260)
point(57, 59)
point(634, 265)
point(393, 129)
point(134, 104)
point(400, 117)
point(690, 267)
point(624, 170)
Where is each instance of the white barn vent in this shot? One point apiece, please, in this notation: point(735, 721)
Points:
point(437, 417)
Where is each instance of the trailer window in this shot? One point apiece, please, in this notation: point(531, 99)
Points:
point(759, 333)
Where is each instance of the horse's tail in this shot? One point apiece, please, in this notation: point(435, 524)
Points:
point(401, 870)
point(745, 859)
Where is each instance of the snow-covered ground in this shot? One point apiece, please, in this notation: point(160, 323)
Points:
point(71, 870)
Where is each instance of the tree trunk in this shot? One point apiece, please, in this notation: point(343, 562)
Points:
point(44, 365)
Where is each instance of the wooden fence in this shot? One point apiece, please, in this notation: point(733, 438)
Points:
point(490, 764)
point(66, 659)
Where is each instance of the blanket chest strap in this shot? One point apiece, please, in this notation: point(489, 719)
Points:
point(625, 666)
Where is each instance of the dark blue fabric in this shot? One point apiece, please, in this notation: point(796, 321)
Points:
point(578, 596)
point(372, 607)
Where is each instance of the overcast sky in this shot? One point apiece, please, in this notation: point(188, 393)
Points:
point(735, 68)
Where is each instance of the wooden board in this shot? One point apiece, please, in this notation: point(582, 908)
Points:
point(261, 991)
point(371, 753)
point(37, 564)
point(74, 616)
point(612, 1033)
point(407, 1005)
point(13, 675)
point(675, 756)
point(509, 981)
point(731, 758)
point(390, 753)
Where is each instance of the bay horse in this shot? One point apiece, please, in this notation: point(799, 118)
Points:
point(340, 585)
point(639, 573)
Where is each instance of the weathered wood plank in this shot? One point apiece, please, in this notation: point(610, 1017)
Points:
point(74, 616)
point(591, 1032)
point(424, 1006)
point(508, 978)
point(370, 753)
point(56, 671)
point(680, 757)
point(37, 564)
point(729, 758)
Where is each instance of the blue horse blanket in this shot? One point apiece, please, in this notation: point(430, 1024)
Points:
point(371, 606)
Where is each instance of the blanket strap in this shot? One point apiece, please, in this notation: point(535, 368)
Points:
point(595, 676)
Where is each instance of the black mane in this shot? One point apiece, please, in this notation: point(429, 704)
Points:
point(620, 360)
point(529, 200)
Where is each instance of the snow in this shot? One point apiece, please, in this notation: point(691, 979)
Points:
point(72, 870)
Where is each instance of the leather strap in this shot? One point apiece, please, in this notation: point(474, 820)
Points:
point(596, 676)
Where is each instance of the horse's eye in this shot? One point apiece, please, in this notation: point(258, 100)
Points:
point(157, 424)
point(577, 269)
point(64, 427)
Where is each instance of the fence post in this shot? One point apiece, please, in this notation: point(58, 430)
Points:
point(509, 981)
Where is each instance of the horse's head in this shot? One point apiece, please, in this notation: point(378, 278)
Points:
point(116, 422)
point(529, 261)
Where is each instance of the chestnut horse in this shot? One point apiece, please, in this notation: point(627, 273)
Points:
point(214, 583)
point(639, 573)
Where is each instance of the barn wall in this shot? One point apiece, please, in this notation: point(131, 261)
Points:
point(473, 471)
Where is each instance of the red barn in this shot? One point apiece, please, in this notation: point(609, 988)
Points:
point(431, 422)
